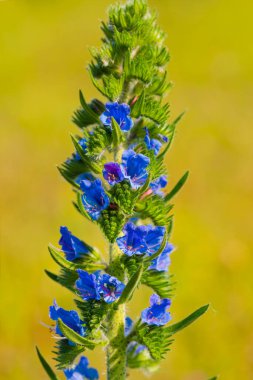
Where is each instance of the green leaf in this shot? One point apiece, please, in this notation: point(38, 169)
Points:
point(136, 110)
point(75, 337)
point(86, 264)
point(93, 115)
point(81, 207)
point(66, 278)
point(131, 286)
point(177, 187)
point(91, 164)
point(173, 329)
point(66, 353)
point(117, 134)
point(160, 250)
point(159, 281)
point(46, 366)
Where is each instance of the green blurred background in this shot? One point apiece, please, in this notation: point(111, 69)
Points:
point(44, 51)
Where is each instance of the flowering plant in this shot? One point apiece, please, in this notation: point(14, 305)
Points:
point(118, 176)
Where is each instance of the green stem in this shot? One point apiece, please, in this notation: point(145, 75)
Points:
point(116, 349)
point(125, 91)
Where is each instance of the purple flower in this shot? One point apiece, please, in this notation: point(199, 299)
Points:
point(87, 285)
point(120, 112)
point(152, 144)
point(162, 262)
point(71, 245)
point(83, 145)
point(81, 371)
point(134, 167)
point(109, 288)
point(98, 286)
point(94, 199)
point(157, 313)
point(112, 173)
point(159, 184)
point(69, 317)
point(140, 240)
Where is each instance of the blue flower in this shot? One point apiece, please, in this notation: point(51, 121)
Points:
point(83, 145)
point(140, 240)
point(133, 242)
point(135, 168)
point(162, 262)
point(128, 325)
point(94, 199)
point(157, 313)
point(112, 173)
point(83, 177)
point(71, 245)
point(120, 112)
point(152, 144)
point(159, 184)
point(134, 348)
point(110, 288)
point(81, 371)
point(69, 317)
point(87, 285)
point(98, 286)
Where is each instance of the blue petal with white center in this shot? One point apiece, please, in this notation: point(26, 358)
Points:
point(157, 313)
point(94, 198)
point(120, 112)
point(109, 287)
point(71, 245)
point(81, 371)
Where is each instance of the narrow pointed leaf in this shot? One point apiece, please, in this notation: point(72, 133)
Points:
point(89, 111)
point(131, 286)
point(117, 134)
point(46, 366)
point(91, 164)
point(177, 187)
point(160, 250)
point(173, 329)
point(75, 337)
point(81, 207)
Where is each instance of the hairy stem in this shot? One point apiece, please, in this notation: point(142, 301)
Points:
point(116, 349)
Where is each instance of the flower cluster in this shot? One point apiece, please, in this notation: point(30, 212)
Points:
point(119, 179)
point(97, 286)
point(140, 240)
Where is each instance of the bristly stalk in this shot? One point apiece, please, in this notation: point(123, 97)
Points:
point(115, 326)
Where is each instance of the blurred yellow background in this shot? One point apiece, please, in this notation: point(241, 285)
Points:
point(44, 51)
